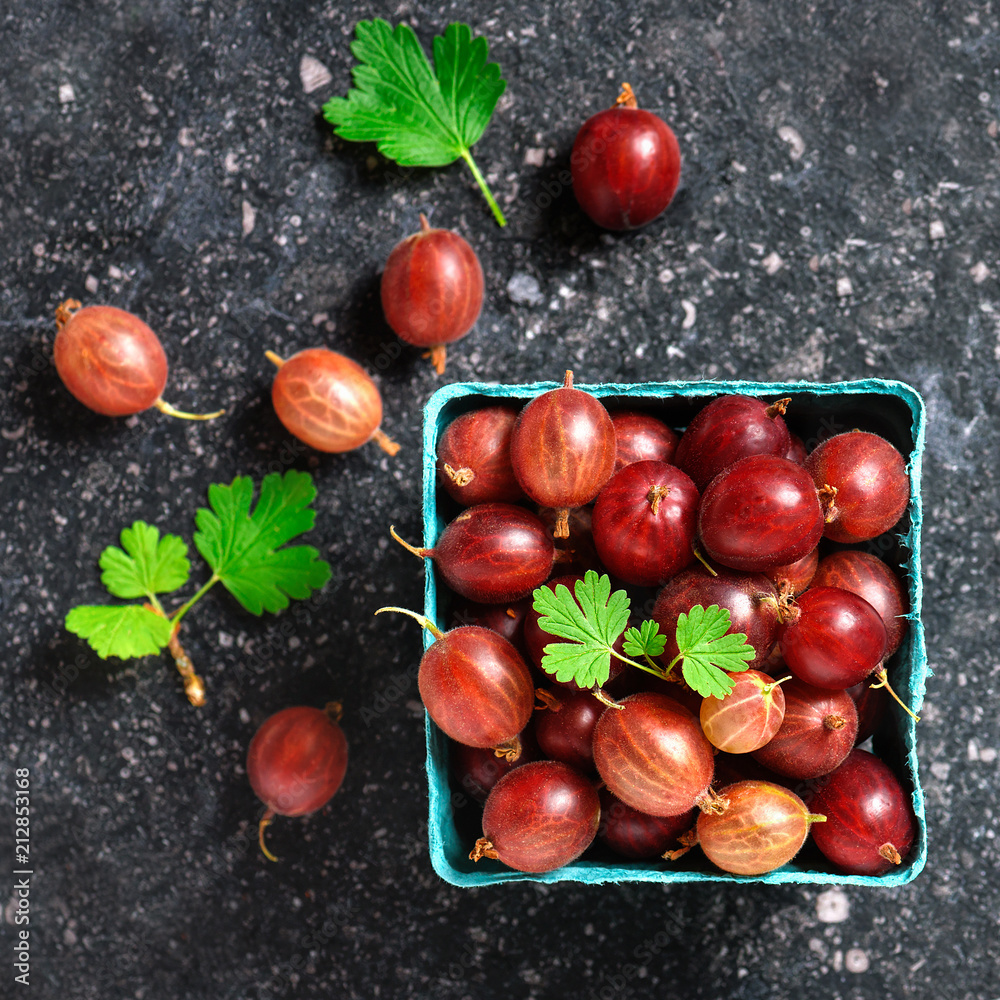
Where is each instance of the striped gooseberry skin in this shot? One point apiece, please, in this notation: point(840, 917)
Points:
point(869, 577)
point(432, 287)
point(476, 687)
point(494, 552)
point(760, 512)
point(816, 734)
point(644, 523)
point(539, 817)
point(728, 429)
point(870, 824)
point(641, 438)
point(652, 754)
point(297, 760)
point(762, 827)
point(837, 640)
point(474, 457)
point(326, 400)
point(634, 834)
point(563, 447)
point(747, 717)
point(869, 475)
point(110, 360)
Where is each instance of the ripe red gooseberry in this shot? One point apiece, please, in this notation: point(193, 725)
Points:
point(432, 290)
point(625, 165)
point(296, 762)
point(539, 817)
point(112, 362)
point(563, 450)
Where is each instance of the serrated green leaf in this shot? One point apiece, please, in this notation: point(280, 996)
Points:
point(124, 630)
point(245, 550)
point(587, 665)
point(709, 650)
point(591, 623)
point(146, 564)
point(417, 116)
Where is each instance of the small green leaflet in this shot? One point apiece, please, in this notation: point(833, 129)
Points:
point(417, 116)
point(148, 565)
point(708, 651)
point(645, 640)
point(244, 549)
point(126, 630)
point(592, 623)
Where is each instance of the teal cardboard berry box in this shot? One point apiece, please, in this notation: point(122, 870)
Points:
point(891, 409)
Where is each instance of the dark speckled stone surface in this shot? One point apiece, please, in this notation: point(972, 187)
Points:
point(837, 219)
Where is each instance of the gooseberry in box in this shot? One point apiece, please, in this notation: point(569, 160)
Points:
point(891, 411)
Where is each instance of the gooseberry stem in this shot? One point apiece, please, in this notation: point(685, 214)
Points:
point(170, 411)
point(265, 822)
point(484, 187)
point(420, 553)
point(422, 620)
point(275, 359)
point(385, 442)
point(883, 681)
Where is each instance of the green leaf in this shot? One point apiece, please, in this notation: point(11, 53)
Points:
point(124, 630)
point(417, 116)
point(591, 623)
point(708, 650)
point(647, 640)
point(148, 565)
point(245, 550)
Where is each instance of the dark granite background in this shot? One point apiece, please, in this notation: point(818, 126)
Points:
point(837, 219)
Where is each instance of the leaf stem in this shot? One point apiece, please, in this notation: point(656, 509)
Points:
point(484, 187)
point(655, 671)
point(176, 617)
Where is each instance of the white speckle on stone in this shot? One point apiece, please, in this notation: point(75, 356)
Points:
point(91, 284)
point(231, 164)
point(244, 717)
point(772, 263)
point(313, 74)
point(796, 146)
point(856, 960)
point(816, 945)
point(524, 289)
point(185, 138)
point(738, 167)
point(38, 249)
point(838, 960)
point(665, 276)
point(973, 750)
point(534, 156)
point(690, 314)
point(987, 755)
point(225, 640)
point(66, 93)
point(844, 288)
point(832, 906)
point(69, 938)
point(295, 221)
point(673, 351)
point(249, 218)
point(936, 229)
point(979, 272)
point(115, 273)
point(940, 769)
